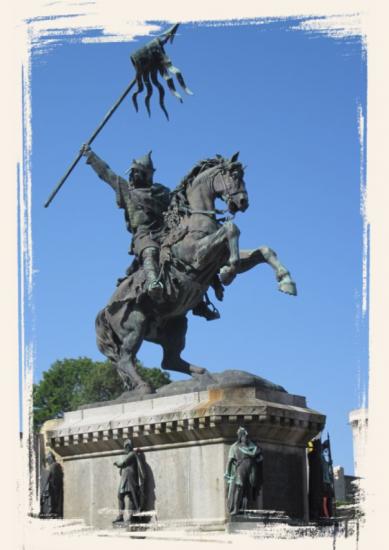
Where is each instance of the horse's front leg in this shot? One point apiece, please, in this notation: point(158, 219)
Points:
point(213, 245)
point(264, 254)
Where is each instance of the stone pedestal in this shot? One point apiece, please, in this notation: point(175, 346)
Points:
point(185, 439)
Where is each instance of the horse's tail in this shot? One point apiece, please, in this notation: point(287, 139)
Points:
point(107, 340)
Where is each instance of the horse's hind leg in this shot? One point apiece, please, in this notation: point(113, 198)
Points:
point(264, 254)
point(106, 340)
point(133, 331)
point(172, 341)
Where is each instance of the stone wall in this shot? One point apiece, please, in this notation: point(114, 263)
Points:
point(182, 483)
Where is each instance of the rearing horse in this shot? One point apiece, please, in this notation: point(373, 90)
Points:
point(195, 250)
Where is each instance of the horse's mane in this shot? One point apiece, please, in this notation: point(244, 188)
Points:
point(179, 203)
point(199, 167)
point(179, 193)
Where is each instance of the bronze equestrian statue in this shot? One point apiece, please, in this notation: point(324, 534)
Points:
point(181, 248)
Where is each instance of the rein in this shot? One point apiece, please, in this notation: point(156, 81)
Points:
point(210, 213)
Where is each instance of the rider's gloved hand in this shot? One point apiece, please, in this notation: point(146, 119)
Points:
point(85, 150)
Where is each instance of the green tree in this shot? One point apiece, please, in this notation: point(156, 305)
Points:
point(70, 383)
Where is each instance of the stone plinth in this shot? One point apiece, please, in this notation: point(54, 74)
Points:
point(185, 439)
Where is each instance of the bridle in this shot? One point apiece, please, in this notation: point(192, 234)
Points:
point(226, 194)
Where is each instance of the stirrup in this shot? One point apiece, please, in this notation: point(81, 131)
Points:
point(211, 314)
point(206, 310)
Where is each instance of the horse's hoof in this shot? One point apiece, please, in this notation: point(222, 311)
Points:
point(227, 275)
point(288, 287)
point(197, 370)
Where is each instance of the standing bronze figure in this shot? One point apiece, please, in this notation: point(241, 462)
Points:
point(51, 492)
point(132, 483)
point(244, 473)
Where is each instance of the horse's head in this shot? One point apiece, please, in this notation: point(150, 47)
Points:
point(212, 178)
point(228, 184)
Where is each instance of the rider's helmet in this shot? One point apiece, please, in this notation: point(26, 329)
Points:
point(142, 171)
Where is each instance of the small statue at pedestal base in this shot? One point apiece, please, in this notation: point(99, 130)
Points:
point(244, 473)
point(51, 499)
point(132, 478)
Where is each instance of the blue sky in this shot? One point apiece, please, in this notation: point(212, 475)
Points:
point(288, 101)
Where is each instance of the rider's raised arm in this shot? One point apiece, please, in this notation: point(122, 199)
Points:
point(101, 167)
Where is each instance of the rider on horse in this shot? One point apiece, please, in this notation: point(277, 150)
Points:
point(144, 203)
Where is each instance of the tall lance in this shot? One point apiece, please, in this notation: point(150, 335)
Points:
point(148, 62)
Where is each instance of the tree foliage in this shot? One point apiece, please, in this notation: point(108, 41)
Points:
point(70, 383)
